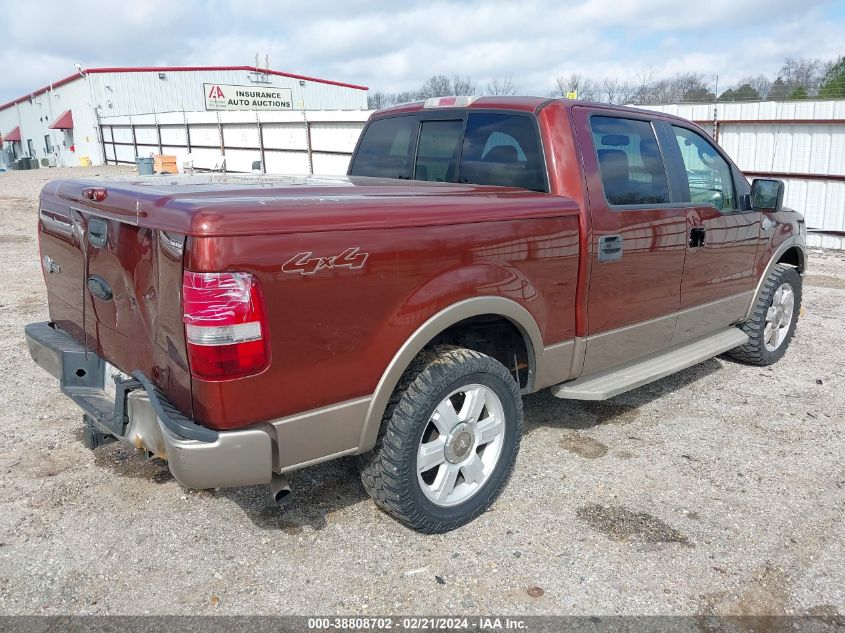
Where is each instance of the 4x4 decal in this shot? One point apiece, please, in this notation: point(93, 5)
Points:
point(305, 264)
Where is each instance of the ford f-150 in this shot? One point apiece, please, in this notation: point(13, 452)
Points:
point(479, 250)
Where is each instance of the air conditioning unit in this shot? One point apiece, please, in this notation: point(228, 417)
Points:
point(45, 162)
point(51, 161)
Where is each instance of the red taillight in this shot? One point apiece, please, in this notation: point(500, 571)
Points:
point(225, 324)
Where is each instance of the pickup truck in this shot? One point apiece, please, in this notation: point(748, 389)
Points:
point(479, 250)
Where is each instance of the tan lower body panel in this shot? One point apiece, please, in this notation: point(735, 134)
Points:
point(618, 346)
point(319, 435)
point(610, 382)
point(711, 317)
point(555, 364)
point(632, 341)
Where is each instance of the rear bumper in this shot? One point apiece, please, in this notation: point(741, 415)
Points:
point(139, 415)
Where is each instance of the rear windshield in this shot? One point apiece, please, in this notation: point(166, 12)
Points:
point(490, 149)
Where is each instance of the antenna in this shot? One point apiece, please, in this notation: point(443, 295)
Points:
point(259, 75)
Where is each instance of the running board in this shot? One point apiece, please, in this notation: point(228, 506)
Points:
point(615, 380)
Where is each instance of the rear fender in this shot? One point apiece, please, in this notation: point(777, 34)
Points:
point(437, 323)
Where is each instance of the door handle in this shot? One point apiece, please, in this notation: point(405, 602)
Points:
point(610, 248)
point(697, 236)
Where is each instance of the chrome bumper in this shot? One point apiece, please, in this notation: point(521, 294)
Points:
point(139, 415)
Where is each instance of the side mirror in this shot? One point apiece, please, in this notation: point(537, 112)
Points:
point(766, 194)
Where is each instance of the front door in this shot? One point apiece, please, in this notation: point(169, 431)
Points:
point(719, 280)
point(638, 240)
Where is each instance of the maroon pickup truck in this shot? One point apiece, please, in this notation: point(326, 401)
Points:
point(479, 250)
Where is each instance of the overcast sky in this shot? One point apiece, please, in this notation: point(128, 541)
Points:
point(395, 45)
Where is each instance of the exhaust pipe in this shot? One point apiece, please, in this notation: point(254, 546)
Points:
point(280, 489)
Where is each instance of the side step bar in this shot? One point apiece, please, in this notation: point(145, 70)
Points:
point(615, 380)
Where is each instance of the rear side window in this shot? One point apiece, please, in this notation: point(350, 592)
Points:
point(708, 174)
point(632, 169)
point(437, 151)
point(502, 150)
point(385, 150)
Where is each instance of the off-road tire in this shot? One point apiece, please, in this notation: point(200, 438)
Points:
point(388, 472)
point(754, 352)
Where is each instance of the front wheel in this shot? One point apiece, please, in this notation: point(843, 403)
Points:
point(773, 318)
point(448, 441)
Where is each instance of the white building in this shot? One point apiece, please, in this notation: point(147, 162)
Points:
point(61, 121)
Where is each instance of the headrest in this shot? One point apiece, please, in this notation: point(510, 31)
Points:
point(613, 163)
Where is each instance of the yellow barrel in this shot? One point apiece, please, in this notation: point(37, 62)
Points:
point(84, 161)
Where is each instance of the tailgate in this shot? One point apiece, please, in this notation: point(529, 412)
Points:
point(116, 288)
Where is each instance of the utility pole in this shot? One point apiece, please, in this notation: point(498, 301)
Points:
point(716, 110)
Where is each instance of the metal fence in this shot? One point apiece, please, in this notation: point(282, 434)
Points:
point(304, 142)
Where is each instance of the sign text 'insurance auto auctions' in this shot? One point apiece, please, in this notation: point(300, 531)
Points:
point(225, 97)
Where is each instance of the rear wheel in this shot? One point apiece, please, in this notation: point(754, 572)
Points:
point(448, 441)
point(773, 318)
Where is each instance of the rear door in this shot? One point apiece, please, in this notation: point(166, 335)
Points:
point(723, 234)
point(638, 240)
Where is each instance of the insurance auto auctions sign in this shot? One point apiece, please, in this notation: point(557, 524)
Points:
point(225, 97)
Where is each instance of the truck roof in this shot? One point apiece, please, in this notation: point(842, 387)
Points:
point(521, 103)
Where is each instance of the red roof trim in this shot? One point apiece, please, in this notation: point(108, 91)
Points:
point(14, 135)
point(172, 69)
point(64, 122)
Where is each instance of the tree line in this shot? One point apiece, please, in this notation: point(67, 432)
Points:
point(803, 78)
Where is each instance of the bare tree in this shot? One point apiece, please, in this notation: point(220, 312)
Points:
point(405, 97)
point(760, 83)
point(798, 78)
point(435, 86)
point(643, 87)
point(691, 87)
point(465, 86)
point(584, 87)
point(378, 100)
point(616, 92)
point(803, 72)
point(502, 87)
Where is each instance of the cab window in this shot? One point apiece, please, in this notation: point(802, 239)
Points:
point(503, 150)
point(630, 162)
point(708, 174)
point(385, 150)
point(437, 151)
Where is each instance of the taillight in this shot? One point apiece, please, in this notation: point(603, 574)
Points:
point(225, 324)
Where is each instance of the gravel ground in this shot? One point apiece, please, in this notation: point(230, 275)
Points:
point(715, 491)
